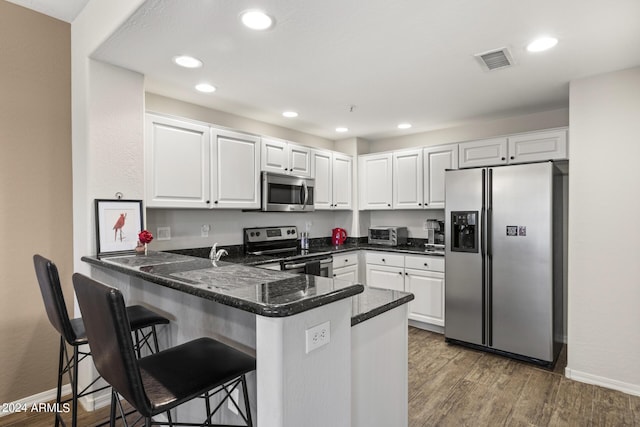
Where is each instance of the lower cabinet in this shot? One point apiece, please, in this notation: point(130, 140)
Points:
point(421, 275)
point(345, 267)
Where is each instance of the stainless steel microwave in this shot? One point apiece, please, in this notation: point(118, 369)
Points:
point(287, 193)
point(388, 235)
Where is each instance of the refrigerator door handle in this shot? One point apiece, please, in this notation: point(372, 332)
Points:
point(489, 260)
point(483, 254)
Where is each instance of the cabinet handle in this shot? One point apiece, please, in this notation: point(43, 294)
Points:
point(406, 274)
point(419, 204)
point(502, 158)
point(426, 265)
point(215, 202)
point(346, 260)
point(383, 260)
point(334, 275)
point(208, 201)
point(388, 204)
point(400, 273)
point(512, 157)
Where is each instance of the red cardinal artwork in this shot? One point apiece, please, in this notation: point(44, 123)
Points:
point(118, 226)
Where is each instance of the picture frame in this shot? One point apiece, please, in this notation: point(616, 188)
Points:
point(118, 223)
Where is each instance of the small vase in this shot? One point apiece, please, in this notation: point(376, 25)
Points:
point(141, 248)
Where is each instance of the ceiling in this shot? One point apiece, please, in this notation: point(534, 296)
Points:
point(396, 61)
point(64, 10)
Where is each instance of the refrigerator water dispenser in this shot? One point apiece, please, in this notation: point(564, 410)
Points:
point(464, 231)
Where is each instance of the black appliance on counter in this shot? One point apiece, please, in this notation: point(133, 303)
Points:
point(282, 242)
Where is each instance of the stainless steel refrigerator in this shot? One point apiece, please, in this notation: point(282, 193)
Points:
point(503, 259)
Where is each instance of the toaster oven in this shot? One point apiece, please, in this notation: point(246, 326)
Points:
point(388, 235)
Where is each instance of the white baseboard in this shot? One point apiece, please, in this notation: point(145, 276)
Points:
point(29, 401)
point(585, 377)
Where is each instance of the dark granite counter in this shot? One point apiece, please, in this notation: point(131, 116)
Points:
point(375, 301)
point(264, 292)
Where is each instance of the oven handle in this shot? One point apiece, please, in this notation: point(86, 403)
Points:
point(302, 264)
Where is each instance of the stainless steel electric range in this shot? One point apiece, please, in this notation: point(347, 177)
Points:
point(282, 242)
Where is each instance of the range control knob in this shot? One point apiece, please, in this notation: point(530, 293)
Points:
point(257, 233)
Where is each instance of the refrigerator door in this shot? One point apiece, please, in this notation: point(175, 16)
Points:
point(520, 249)
point(464, 294)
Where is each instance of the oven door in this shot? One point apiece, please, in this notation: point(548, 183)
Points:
point(306, 267)
point(286, 193)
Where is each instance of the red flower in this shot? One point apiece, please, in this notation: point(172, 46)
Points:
point(145, 237)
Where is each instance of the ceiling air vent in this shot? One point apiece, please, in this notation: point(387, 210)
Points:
point(495, 59)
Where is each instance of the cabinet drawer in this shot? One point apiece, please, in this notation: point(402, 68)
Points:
point(343, 260)
point(431, 263)
point(385, 258)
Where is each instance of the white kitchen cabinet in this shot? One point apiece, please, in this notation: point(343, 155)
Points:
point(177, 165)
point(235, 177)
point(436, 161)
point(333, 174)
point(345, 266)
point(428, 288)
point(375, 185)
point(349, 273)
point(407, 179)
point(486, 152)
point(387, 277)
point(538, 146)
point(286, 158)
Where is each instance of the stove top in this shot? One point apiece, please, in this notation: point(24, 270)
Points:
point(281, 241)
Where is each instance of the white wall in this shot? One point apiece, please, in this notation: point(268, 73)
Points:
point(412, 219)
point(604, 259)
point(479, 130)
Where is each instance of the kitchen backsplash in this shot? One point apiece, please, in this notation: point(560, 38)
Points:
point(226, 225)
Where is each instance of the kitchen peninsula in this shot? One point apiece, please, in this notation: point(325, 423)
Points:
point(352, 380)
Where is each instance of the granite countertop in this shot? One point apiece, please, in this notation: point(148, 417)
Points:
point(375, 301)
point(264, 292)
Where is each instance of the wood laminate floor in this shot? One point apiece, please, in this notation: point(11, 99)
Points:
point(451, 385)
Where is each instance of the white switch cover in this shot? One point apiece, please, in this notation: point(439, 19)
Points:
point(204, 230)
point(164, 233)
point(318, 336)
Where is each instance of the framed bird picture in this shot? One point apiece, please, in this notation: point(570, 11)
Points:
point(118, 223)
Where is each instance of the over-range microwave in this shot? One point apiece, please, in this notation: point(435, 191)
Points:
point(287, 193)
point(388, 235)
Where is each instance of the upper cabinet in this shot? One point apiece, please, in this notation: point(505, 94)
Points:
point(333, 174)
point(486, 152)
point(375, 184)
point(537, 146)
point(286, 158)
point(407, 179)
point(520, 148)
point(436, 161)
point(176, 163)
point(235, 177)
point(191, 165)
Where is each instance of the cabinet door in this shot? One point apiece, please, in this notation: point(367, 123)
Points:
point(538, 146)
point(382, 276)
point(407, 179)
point(323, 167)
point(342, 181)
point(235, 174)
point(486, 152)
point(349, 273)
point(275, 157)
point(436, 161)
point(428, 289)
point(375, 181)
point(299, 160)
point(177, 163)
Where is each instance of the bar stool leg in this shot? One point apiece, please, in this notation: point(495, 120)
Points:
point(155, 338)
point(247, 407)
point(74, 388)
point(60, 375)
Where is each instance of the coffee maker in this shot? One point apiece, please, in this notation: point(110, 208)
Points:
point(435, 232)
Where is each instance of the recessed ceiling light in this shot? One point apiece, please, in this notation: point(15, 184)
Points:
point(205, 88)
point(404, 125)
point(256, 19)
point(187, 61)
point(342, 129)
point(543, 43)
point(290, 114)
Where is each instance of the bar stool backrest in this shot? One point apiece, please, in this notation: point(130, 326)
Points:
point(109, 334)
point(49, 281)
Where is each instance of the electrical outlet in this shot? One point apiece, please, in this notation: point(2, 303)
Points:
point(164, 233)
point(318, 336)
point(204, 230)
point(235, 394)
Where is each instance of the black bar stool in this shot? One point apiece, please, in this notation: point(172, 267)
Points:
point(161, 381)
point(72, 332)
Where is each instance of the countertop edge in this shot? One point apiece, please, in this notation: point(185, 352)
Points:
point(282, 310)
point(359, 318)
